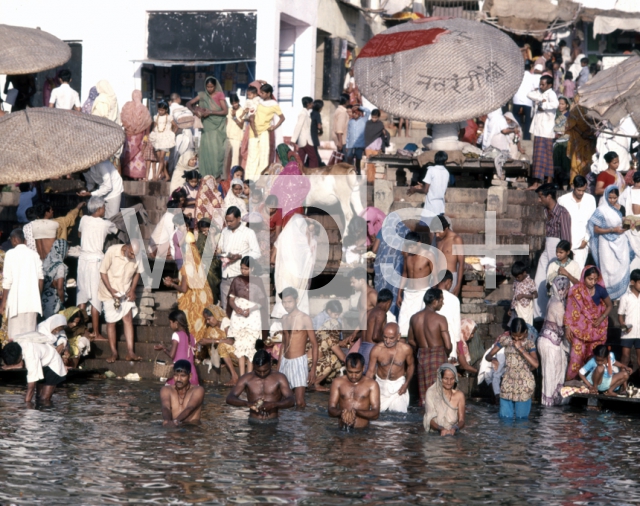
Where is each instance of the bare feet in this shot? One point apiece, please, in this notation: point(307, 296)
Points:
point(319, 388)
point(609, 393)
point(112, 359)
point(231, 383)
point(99, 337)
point(533, 187)
point(133, 358)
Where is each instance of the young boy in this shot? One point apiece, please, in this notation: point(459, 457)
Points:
point(584, 75)
point(332, 311)
point(64, 97)
point(603, 373)
point(375, 135)
point(250, 107)
point(629, 317)
point(297, 330)
point(28, 192)
point(524, 292)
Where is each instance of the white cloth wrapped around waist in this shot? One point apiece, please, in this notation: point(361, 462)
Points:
point(390, 387)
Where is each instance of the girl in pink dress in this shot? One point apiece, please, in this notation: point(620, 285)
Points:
point(183, 344)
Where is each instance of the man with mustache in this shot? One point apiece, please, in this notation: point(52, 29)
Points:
point(182, 401)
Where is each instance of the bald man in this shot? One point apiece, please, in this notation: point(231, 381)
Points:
point(119, 275)
point(391, 363)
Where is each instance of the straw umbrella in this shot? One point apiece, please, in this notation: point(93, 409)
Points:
point(43, 143)
point(28, 50)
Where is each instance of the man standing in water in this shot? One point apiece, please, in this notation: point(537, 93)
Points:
point(391, 364)
point(429, 332)
point(298, 330)
point(376, 320)
point(354, 398)
point(267, 392)
point(182, 401)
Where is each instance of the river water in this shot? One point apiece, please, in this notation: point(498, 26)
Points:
point(102, 442)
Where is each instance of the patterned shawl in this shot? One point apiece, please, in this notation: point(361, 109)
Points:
point(553, 328)
point(581, 311)
point(135, 116)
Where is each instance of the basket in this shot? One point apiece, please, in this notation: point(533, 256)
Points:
point(30, 50)
point(161, 369)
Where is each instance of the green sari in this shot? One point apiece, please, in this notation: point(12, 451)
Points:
point(214, 136)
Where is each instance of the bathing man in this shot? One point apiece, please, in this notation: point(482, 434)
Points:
point(182, 401)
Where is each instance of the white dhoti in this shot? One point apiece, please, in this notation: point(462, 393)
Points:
point(525, 312)
point(412, 302)
point(549, 253)
point(389, 398)
point(113, 315)
point(580, 256)
point(112, 206)
point(258, 155)
point(89, 281)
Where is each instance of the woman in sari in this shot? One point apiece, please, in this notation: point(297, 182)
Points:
point(586, 318)
point(106, 104)
point(212, 110)
point(77, 334)
point(209, 203)
point(55, 279)
point(205, 229)
point(247, 308)
point(194, 293)
point(136, 121)
point(88, 103)
point(237, 172)
point(609, 245)
point(582, 142)
point(444, 405)
point(550, 344)
point(235, 197)
point(561, 163)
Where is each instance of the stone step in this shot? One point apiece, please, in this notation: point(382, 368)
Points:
point(147, 188)
point(464, 211)
point(523, 197)
point(150, 203)
point(529, 212)
point(465, 196)
point(504, 226)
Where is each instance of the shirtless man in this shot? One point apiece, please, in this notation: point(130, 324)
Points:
point(445, 242)
point(354, 398)
point(392, 366)
point(267, 392)
point(376, 320)
point(367, 301)
point(415, 276)
point(182, 401)
point(297, 329)
point(429, 332)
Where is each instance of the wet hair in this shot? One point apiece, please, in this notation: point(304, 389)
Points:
point(306, 101)
point(615, 191)
point(354, 359)
point(163, 105)
point(18, 234)
point(234, 211)
point(635, 275)
point(584, 61)
point(334, 306)
point(375, 113)
point(261, 357)
point(547, 79)
point(568, 75)
point(518, 268)
point(432, 295)
point(271, 201)
point(24, 187)
point(446, 276)
point(547, 189)
point(343, 100)
point(358, 273)
point(11, 353)
point(289, 292)
point(440, 158)
point(518, 326)
point(191, 174)
point(318, 105)
point(565, 245)
point(211, 80)
point(182, 365)
point(443, 221)
point(579, 182)
point(252, 89)
point(600, 351)
point(590, 271)
point(94, 204)
point(234, 99)
point(385, 295)
point(412, 236)
point(180, 318)
point(610, 156)
point(65, 75)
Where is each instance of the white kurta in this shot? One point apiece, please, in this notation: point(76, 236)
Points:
point(21, 274)
point(451, 311)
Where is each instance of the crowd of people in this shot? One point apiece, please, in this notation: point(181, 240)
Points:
point(221, 229)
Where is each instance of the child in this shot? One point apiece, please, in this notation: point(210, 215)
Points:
point(162, 139)
point(250, 106)
point(27, 193)
point(298, 330)
point(235, 129)
point(603, 373)
point(375, 135)
point(191, 186)
point(584, 75)
point(569, 86)
point(260, 133)
point(332, 311)
point(629, 317)
point(524, 292)
point(183, 344)
point(564, 264)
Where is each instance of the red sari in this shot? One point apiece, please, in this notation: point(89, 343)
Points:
point(583, 336)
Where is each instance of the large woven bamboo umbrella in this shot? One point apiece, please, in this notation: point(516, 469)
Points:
point(43, 143)
point(439, 70)
point(28, 50)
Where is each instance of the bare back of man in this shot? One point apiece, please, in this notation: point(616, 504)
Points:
point(264, 395)
point(445, 242)
point(428, 329)
point(185, 406)
point(376, 320)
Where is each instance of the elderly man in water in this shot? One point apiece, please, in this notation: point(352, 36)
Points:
point(267, 391)
point(391, 364)
point(182, 401)
point(444, 405)
point(354, 398)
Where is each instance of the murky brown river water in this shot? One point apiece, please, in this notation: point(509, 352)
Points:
point(102, 443)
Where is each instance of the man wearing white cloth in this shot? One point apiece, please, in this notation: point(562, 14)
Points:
point(557, 228)
point(391, 364)
point(22, 285)
point(105, 176)
point(119, 273)
point(415, 281)
point(93, 230)
point(451, 311)
point(581, 207)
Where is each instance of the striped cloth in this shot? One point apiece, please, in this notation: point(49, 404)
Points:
point(429, 359)
point(296, 370)
point(542, 158)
